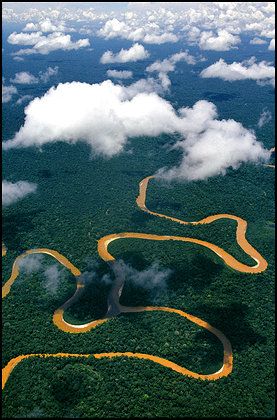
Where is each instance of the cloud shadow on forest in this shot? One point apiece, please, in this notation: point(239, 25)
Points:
point(16, 226)
point(231, 320)
point(218, 96)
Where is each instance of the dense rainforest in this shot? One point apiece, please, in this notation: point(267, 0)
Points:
point(101, 201)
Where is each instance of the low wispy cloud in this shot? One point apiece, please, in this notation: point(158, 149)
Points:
point(93, 275)
point(135, 53)
point(18, 59)
point(13, 192)
point(31, 263)
point(262, 72)
point(48, 73)
point(23, 99)
point(51, 275)
point(8, 92)
point(120, 74)
point(168, 65)
point(265, 117)
point(153, 278)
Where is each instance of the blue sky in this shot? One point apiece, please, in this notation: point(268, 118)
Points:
point(23, 6)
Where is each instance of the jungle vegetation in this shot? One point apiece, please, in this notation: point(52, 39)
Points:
point(76, 204)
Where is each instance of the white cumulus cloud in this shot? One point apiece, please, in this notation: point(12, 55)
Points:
point(135, 53)
point(224, 41)
point(160, 39)
point(150, 21)
point(24, 39)
point(46, 25)
point(24, 78)
point(257, 41)
point(120, 74)
point(105, 115)
point(213, 147)
point(112, 29)
point(132, 30)
point(271, 46)
point(249, 69)
point(42, 44)
point(13, 192)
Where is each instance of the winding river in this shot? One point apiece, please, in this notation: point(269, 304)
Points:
point(114, 307)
